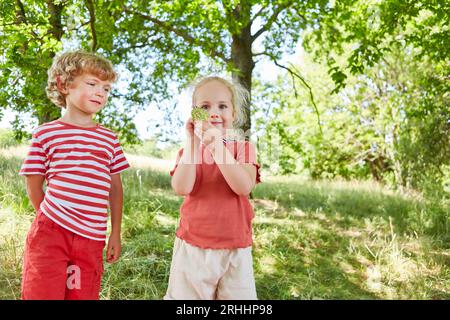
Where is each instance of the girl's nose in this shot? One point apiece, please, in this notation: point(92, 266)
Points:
point(214, 116)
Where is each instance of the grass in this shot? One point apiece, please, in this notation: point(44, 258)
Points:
point(312, 240)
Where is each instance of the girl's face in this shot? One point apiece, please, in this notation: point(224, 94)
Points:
point(216, 98)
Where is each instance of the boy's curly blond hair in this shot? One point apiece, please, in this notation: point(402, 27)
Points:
point(69, 65)
point(239, 95)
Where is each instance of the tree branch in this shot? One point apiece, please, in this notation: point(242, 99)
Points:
point(271, 20)
point(256, 15)
point(228, 13)
point(79, 27)
point(90, 6)
point(55, 10)
point(20, 12)
point(295, 74)
point(181, 33)
point(123, 50)
point(22, 17)
point(259, 54)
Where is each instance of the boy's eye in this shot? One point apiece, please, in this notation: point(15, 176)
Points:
point(91, 84)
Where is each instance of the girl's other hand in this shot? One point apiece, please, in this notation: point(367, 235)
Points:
point(199, 129)
point(190, 128)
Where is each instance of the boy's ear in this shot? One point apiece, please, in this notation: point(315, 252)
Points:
point(60, 85)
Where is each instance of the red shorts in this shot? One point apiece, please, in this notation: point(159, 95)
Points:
point(59, 264)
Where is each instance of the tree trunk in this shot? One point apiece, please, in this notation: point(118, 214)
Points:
point(242, 59)
point(55, 10)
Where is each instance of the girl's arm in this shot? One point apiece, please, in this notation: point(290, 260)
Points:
point(116, 204)
point(34, 184)
point(183, 179)
point(240, 177)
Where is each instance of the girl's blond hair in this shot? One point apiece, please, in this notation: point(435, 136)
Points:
point(239, 97)
point(69, 65)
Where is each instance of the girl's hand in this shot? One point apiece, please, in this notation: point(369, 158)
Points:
point(207, 133)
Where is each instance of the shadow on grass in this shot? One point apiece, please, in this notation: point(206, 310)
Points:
point(304, 235)
point(354, 206)
point(143, 270)
point(297, 263)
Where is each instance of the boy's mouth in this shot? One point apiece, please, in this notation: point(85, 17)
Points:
point(95, 101)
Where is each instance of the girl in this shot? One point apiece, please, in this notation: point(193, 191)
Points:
point(212, 256)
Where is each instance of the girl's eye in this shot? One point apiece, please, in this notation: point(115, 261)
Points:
point(205, 106)
point(91, 84)
point(223, 106)
point(107, 90)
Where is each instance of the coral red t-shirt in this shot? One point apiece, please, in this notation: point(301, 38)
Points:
point(212, 215)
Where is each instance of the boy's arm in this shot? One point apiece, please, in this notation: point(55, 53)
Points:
point(116, 203)
point(34, 185)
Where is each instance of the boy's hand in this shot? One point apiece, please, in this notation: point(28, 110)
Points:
point(114, 248)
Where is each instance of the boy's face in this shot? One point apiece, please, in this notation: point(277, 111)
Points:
point(216, 99)
point(87, 93)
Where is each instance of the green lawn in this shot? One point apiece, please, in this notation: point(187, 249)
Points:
point(312, 240)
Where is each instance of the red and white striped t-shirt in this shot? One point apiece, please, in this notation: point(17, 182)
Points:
point(77, 163)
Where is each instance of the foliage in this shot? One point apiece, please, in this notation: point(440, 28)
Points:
point(390, 124)
point(375, 28)
point(159, 46)
point(28, 44)
point(7, 139)
point(152, 148)
point(31, 33)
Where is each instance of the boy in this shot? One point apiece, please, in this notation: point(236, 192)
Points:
point(81, 162)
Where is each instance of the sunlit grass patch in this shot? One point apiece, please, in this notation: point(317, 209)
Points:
point(13, 230)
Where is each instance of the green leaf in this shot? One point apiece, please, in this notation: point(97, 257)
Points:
point(199, 114)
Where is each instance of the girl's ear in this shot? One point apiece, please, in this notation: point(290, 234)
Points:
point(60, 85)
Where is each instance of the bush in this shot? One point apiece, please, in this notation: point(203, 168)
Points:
point(150, 148)
point(7, 139)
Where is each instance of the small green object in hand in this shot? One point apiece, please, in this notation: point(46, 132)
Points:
point(199, 114)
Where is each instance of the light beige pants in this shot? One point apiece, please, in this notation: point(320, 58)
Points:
point(208, 274)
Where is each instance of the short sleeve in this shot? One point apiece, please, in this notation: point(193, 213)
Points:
point(36, 159)
point(180, 153)
point(246, 153)
point(119, 163)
